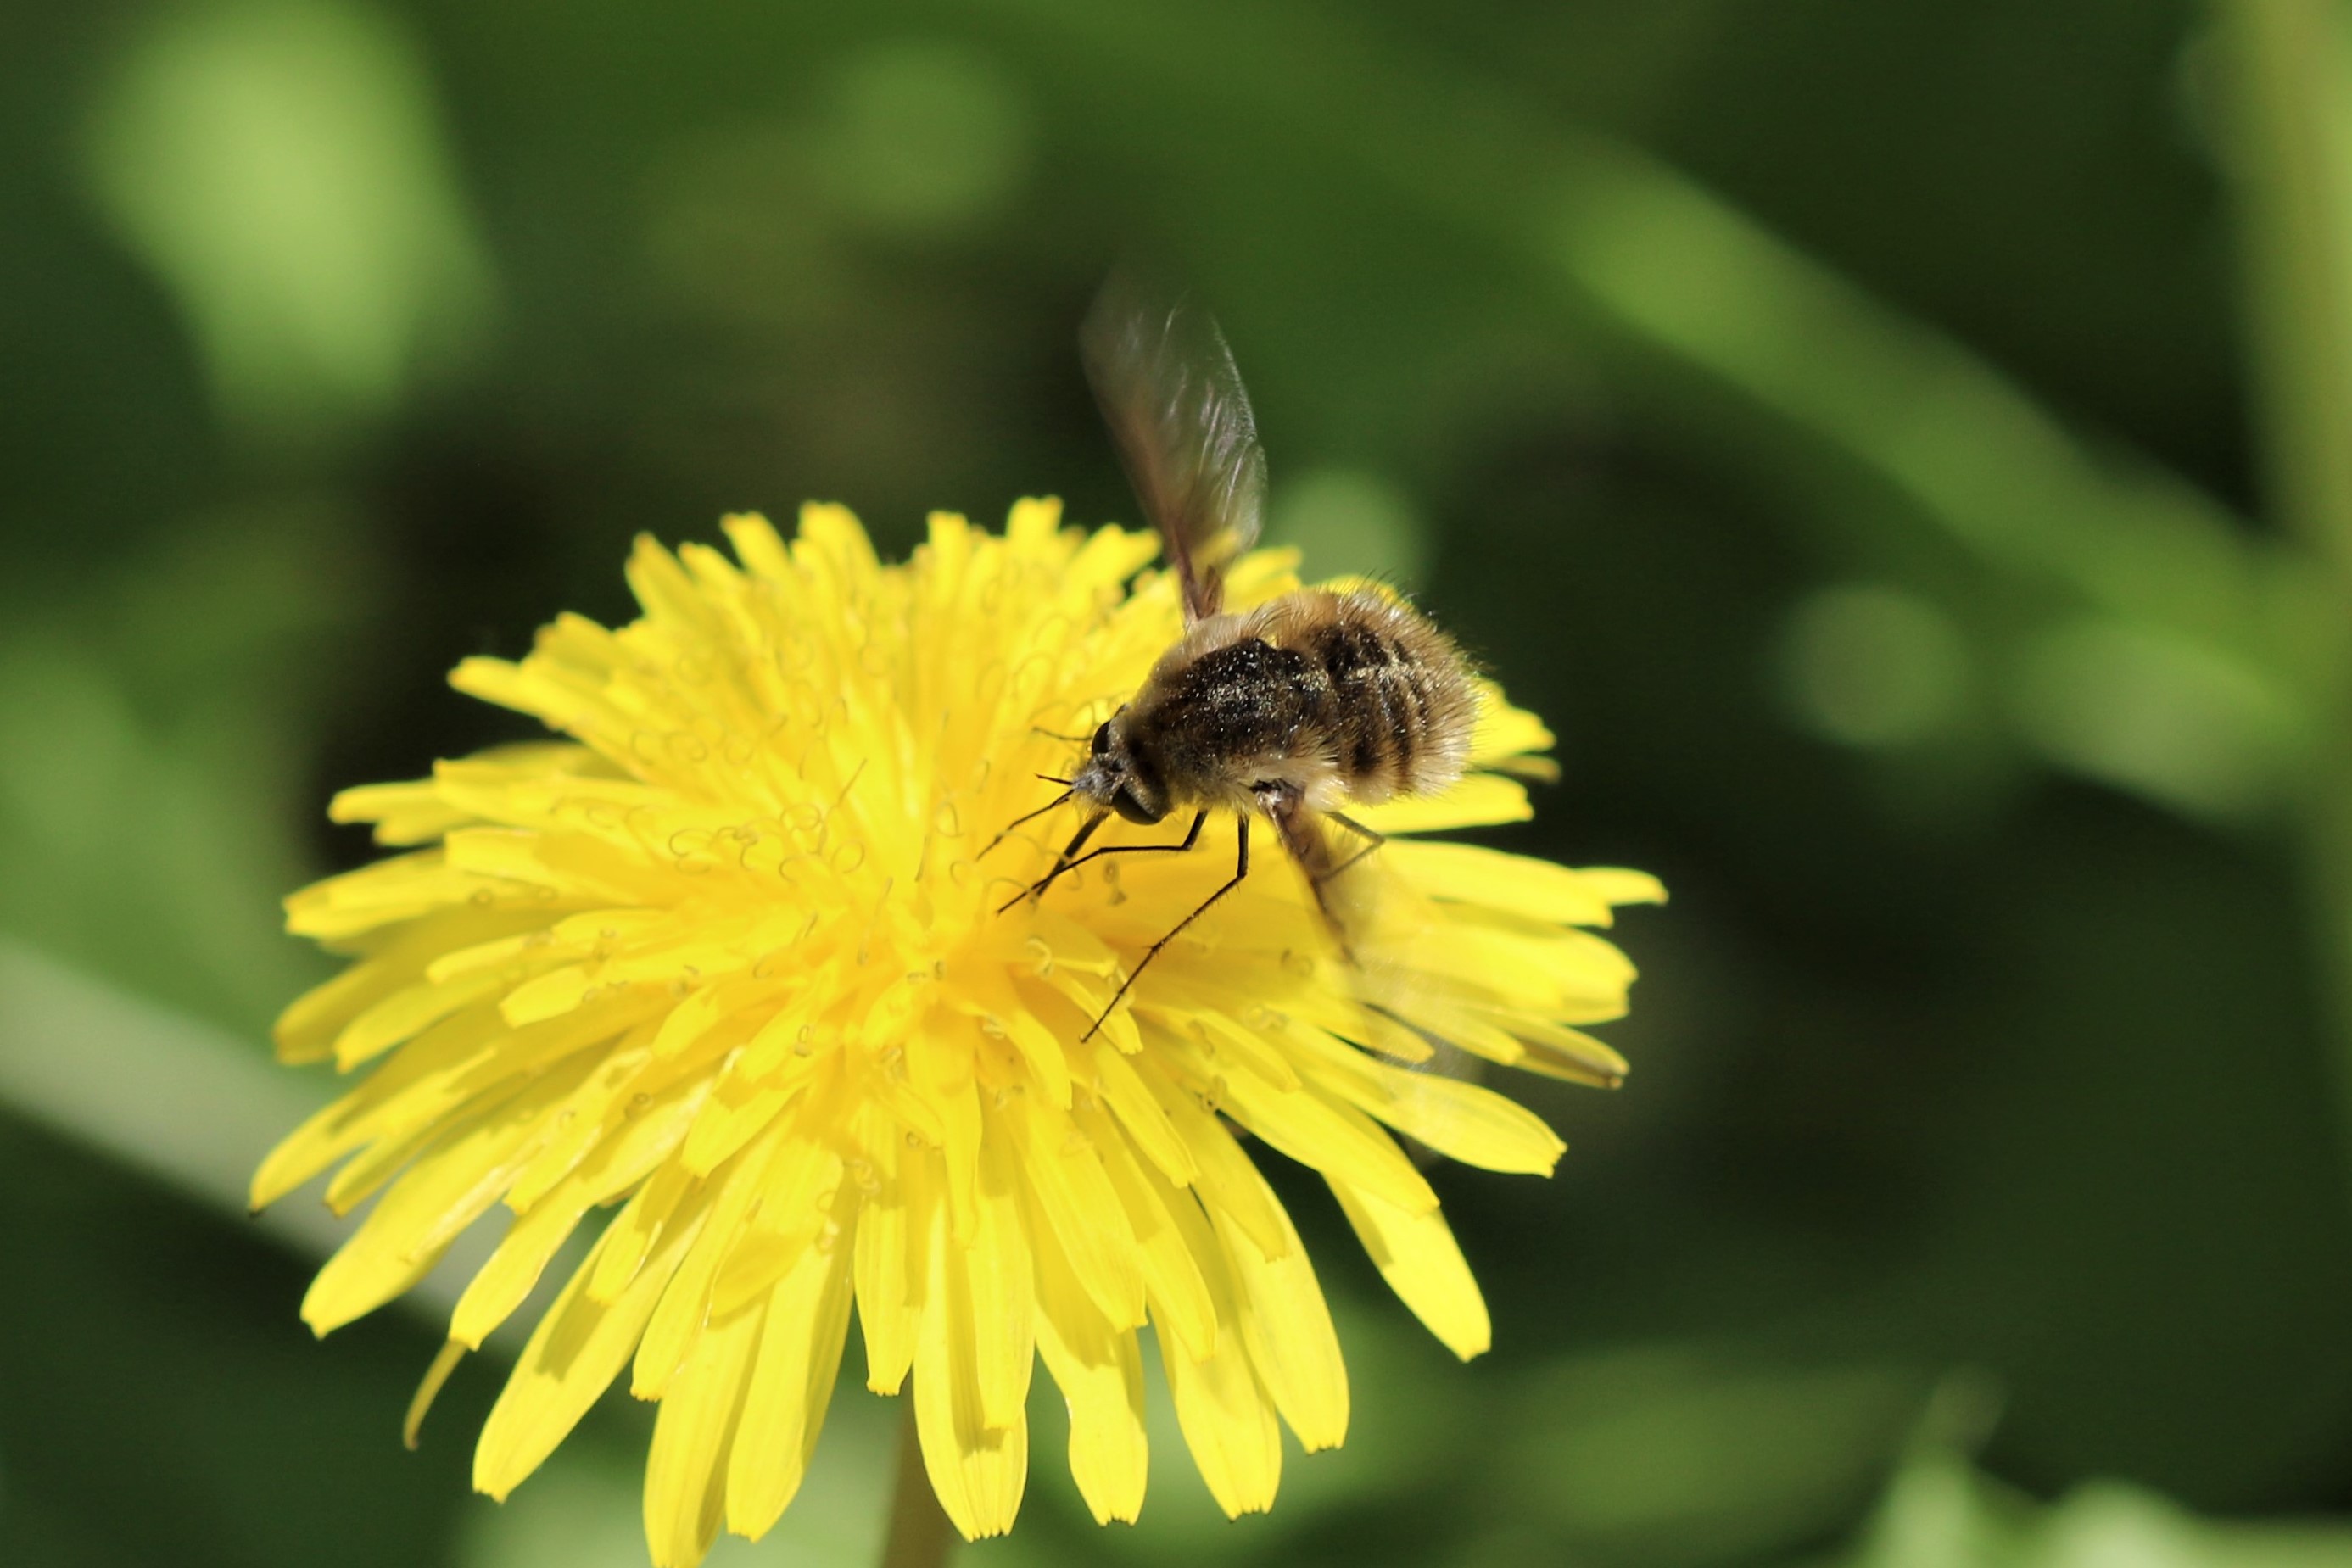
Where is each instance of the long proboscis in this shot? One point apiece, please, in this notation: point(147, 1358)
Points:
point(1055, 804)
point(1062, 861)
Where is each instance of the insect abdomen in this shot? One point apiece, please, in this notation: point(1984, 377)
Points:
point(1398, 706)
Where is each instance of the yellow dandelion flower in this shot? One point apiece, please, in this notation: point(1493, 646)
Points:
point(728, 961)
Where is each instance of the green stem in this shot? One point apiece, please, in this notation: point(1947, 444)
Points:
point(2289, 162)
point(2289, 154)
point(921, 1535)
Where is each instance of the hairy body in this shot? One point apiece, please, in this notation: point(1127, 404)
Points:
point(1327, 698)
point(1287, 712)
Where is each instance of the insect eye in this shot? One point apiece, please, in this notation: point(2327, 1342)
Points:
point(1102, 737)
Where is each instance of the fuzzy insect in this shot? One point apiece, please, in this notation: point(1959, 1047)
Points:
point(1290, 711)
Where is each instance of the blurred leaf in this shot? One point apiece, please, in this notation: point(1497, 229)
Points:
point(2051, 523)
point(2287, 136)
point(581, 1509)
point(149, 782)
point(135, 853)
point(1941, 1513)
point(923, 136)
point(1875, 666)
point(2161, 715)
point(277, 162)
point(1349, 523)
point(1669, 1455)
point(190, 1107)
point(188, 1104)
point(2289, 139)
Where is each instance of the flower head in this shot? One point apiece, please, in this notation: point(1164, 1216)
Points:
point(729, 960)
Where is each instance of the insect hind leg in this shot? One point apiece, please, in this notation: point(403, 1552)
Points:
point(1302, 834)
point(1241, 872)
point(1373, 839)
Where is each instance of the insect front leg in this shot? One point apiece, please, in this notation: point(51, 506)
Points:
point(1071, 863)
point(1062, 862)
point(1241, 871)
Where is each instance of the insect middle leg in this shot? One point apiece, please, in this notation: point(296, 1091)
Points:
point(1241, 871)
point(1071, 860)
point(1303, 835)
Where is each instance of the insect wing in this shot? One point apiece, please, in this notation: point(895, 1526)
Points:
point(1169, 392)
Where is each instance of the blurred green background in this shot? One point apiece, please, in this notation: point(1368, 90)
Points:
point(1905, 451)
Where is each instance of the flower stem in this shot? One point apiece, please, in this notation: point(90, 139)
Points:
point(921, 1535)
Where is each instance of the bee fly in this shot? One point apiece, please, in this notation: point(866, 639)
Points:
point(1309, 703)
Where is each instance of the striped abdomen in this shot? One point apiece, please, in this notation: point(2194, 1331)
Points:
point(1345, 697)
point(1393, 706)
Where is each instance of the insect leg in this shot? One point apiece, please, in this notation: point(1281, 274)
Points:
point(1241, 870)
point(1372, 838)
point(1303, 836)
point(1067, 863)
point(1062, 864)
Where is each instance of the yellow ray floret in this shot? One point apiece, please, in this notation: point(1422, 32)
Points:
point(725, 964)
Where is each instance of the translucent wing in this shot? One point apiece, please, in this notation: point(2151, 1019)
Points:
point(1431, 1028)
point(1168, 391)
point(1372, 917)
